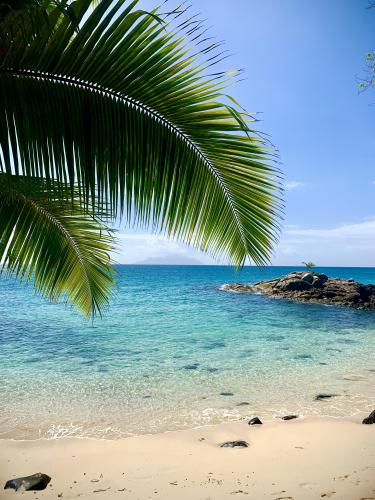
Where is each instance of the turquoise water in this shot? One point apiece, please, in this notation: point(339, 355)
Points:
point(173, 351)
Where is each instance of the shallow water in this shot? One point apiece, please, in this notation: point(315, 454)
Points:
point(173, 351)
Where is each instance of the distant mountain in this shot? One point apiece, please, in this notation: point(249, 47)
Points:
point(170, 260)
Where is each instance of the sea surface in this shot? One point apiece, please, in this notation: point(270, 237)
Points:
point(173, 351)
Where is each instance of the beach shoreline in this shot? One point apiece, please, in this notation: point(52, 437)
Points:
point(298, 459)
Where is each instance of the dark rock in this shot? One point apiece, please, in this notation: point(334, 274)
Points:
point(313, 287)
point(303, 356)
point(370, 419)
point(320, 397)
point(308, 277)
point(192, 366)
point(37, 481)
point(243, 403)
point(226, 394)
point(235, 444)
point(255, 421)
point(289, 417)
point(296, 285)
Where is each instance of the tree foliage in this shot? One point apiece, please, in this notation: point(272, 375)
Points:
point(368, 81)
point(309, 264)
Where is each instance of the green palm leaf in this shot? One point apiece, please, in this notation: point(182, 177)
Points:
point(64, 250)
point(121, 111)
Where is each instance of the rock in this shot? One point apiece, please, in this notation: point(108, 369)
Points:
point(297, 285)
point(313, 287)
point(303, 356)
point(308, 277)
point(289, 417)
point(255, 421)
point(319, 280)
point(370, 419)
point(320, 397)
point(226, 394)
point(243, 403)
point(37, 481)
point(192, 366)
point(235, 444)
point(236, 287)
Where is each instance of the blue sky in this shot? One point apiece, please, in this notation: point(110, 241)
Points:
point(302, 62)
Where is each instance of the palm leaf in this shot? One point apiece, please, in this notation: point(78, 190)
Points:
point(63, 250)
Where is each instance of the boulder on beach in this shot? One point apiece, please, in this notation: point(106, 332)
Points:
point(321, 397)
point(234, 444)
point(370, 419)
point(255, 421)
point(34, 482)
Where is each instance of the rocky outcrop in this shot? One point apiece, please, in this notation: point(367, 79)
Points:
point(313, 287)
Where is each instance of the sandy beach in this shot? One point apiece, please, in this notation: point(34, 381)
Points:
point(299, 460)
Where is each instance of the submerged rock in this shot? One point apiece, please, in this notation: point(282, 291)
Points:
point(370, 419)
point(235, 444)
point(289, 417)
point(226, 394)
point(313, 287)
point(255, 421)
point(243, 403)
point(192, 366)
point(36, 481)
point(320, 397)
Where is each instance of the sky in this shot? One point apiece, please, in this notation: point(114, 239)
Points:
point(302, 62)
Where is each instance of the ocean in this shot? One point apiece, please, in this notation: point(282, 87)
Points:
point(173, 351)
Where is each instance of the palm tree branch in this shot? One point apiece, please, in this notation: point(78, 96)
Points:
point(61, 249)
point(167, 123)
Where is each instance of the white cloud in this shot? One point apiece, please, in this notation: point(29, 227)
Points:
point(361, 230)
point(289, 185)
point(350, 244)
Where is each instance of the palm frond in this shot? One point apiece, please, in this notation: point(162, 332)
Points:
point(122, 109)
point(63, 250)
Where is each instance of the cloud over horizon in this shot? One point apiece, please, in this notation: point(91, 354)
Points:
point(350, 244)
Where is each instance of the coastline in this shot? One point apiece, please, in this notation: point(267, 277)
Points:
point(298, 459)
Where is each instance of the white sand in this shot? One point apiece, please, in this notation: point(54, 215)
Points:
point(300, 460)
